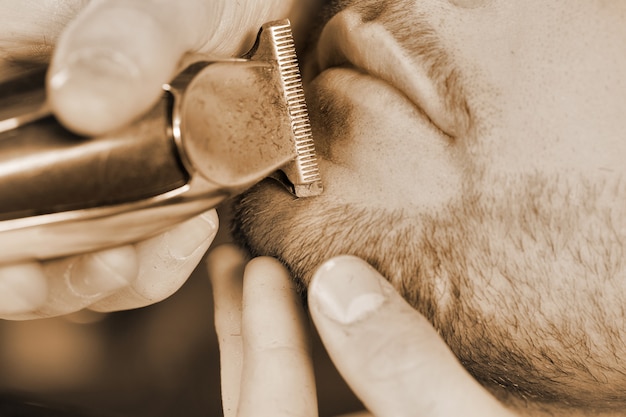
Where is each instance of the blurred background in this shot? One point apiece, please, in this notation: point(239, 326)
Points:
point(156, 361)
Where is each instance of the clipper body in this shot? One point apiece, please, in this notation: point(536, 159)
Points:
point(220, 127)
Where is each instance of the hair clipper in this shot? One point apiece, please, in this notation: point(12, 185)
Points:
point(219, 128)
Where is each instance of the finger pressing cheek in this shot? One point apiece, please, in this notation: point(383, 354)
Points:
point(389, 354)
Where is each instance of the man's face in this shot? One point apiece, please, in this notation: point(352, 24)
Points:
point(473, 151)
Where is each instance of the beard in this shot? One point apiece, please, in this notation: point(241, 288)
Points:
point(523, 278)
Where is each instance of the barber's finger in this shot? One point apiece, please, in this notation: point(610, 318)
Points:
point(23, 288)
point(386, 351)
point(277, 378)
point(63, 286)
point(79, 281)
point(110, 64)
point(165, 263)
point(111, 61)
point(225, 267)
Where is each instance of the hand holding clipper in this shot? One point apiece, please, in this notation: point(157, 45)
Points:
point(219, 128)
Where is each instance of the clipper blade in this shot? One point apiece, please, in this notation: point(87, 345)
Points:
point(276, 42)
point(220, 127)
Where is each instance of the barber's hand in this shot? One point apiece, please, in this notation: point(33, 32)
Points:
point(110, 60)
point(388, 353)
point(262, 328)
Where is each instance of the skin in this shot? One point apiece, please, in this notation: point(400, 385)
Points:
point(478, 165)
point(512, 219)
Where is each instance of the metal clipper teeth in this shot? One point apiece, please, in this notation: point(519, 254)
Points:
point(220, 127)
point(303, 172)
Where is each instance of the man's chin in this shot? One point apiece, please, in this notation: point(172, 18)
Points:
point(253, 213)
point(300, 232)
point(262, 219)
point(475, 274)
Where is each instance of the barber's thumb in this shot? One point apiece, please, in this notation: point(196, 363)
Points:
point(109, 66)
point(388, 353)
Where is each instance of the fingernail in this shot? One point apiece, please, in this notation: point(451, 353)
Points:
point(102, 272)
point(347, 289)
point(184, 240)
point(92, 80)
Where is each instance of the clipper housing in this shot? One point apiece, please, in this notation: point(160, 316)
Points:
point(220, 127)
